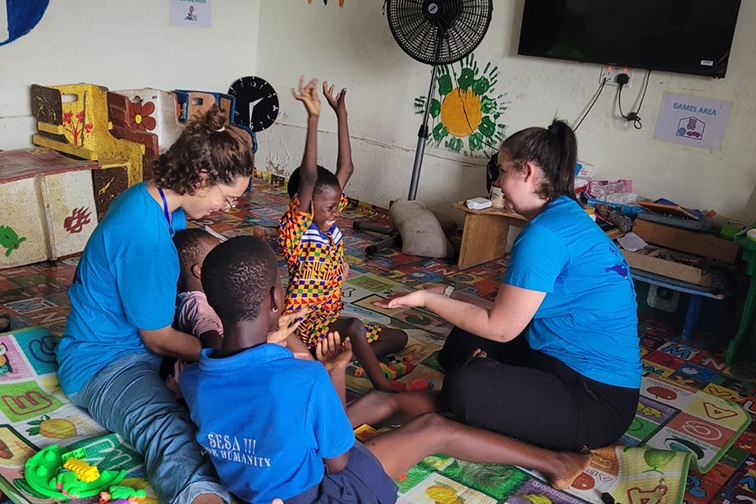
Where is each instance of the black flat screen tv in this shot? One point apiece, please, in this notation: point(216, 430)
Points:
point(684, 36)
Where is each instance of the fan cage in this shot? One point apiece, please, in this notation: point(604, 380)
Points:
point(438, 32)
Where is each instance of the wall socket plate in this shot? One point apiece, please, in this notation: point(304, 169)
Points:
point(610, 72)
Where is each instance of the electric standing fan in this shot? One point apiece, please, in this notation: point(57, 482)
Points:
point(435, 32)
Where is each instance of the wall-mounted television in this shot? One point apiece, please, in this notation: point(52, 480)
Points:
point(684, 36)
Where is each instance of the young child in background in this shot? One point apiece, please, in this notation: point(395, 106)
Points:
point(313, 247)
point(289, 435)
point(193, 314)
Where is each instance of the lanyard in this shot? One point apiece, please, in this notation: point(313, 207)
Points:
point(167, 214)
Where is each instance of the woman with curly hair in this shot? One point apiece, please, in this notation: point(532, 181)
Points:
point(123, 301)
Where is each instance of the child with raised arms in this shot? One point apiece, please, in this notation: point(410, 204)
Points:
point(313, 247)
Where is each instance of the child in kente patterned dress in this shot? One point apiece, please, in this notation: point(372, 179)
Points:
point(314, 250)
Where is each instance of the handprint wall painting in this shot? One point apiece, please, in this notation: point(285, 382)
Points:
point(466, 112)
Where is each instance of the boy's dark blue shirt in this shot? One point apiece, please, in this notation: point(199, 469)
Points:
point(266, 420)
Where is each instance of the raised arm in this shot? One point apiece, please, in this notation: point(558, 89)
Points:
point(308, 173)
point(344, 165)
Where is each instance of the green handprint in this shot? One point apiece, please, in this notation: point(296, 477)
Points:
point(440, 132)
point(468, 70)
point(444, 81)
point(9, 239)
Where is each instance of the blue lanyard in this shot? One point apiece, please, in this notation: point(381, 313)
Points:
point(168, 215)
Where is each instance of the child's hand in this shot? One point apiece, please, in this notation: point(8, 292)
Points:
point(308, 95)
point(345, 272)
point(287, 324)
point(334, 354)
point(337, 103)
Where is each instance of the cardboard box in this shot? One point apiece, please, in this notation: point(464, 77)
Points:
point(671, 264)
point(690, 242)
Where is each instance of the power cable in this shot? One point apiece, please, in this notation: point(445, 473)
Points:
point(623, 79)
point(595, 98)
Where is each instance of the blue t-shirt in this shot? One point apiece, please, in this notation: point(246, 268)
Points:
point(588, 319)
point(125, 281)
point(266, 419)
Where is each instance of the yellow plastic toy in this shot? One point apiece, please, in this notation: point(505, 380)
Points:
point(84, 472)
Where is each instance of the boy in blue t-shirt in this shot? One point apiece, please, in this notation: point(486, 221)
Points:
point(275, 426)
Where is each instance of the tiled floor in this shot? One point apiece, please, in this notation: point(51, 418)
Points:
point(35, 295)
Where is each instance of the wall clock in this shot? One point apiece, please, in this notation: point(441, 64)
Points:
point(256, 103)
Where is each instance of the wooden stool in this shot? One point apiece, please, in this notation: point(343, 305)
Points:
point(485, 234)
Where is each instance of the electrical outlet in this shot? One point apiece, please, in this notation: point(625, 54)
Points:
point(611, 72)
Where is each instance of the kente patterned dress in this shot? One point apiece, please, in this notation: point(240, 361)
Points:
point(315, 260)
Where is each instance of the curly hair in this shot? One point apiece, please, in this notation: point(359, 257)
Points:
point(553, 149)
point(326, 179)
point(205, 144)
point(236, 277)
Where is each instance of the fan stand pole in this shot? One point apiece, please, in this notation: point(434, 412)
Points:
point(422, 137)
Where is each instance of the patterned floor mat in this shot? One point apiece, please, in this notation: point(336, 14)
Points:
point(34, 413)
point(35, 295)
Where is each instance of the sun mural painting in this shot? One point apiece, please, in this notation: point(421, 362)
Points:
point(466, 118)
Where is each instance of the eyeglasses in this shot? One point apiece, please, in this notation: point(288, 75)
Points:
point(231, 202)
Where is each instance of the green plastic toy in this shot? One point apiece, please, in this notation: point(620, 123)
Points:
point(45, 474)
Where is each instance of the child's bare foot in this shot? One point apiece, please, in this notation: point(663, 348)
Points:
point(568, 466)
point(478, 354)
point(208, 498)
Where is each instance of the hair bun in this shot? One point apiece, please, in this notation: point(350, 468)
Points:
point(211, 120)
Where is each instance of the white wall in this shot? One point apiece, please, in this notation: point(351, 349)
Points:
point(123, 45)
point(353, 47)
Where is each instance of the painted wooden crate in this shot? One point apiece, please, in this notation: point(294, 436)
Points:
point(191, 103)
point(153, 111)
point(73, 119)
point(47, 207)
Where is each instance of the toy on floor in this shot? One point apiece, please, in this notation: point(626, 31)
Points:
point(364, 432)
point(392, 368)
point(84, 472)
point(121, 494)
point(55, 474)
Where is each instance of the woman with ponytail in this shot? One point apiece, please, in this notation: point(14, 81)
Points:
point(123, 301)
point(555, 360)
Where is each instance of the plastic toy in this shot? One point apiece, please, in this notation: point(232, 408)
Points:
point(122, 494)
point(45, 473)
point(419, 384)
point(364, 432)
point(391, 369)
point(84, 472)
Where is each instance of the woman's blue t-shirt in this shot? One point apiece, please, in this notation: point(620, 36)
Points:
point(588, 319)
point(125, 281)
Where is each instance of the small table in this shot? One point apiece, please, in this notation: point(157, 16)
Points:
point(485, 234)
